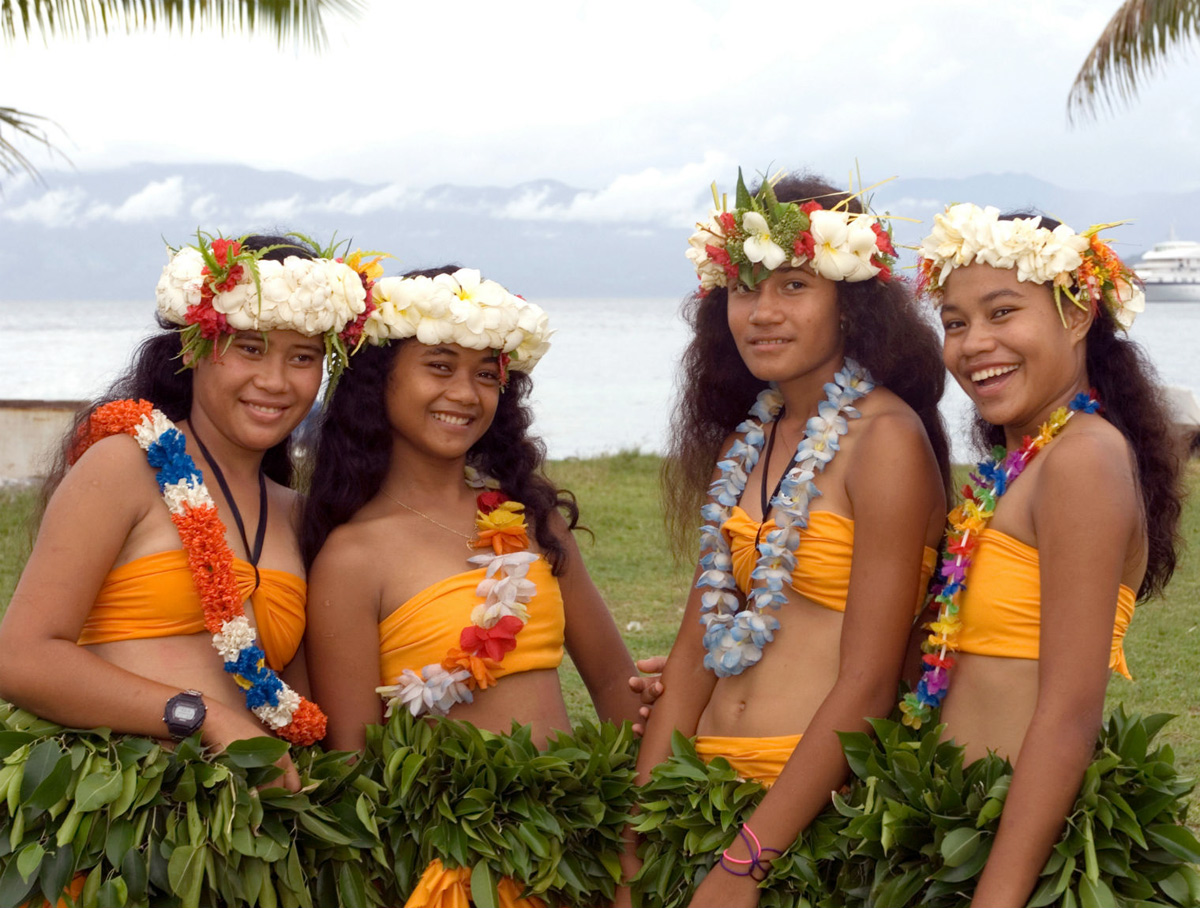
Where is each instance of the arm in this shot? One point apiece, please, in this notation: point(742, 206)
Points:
point(341, 638)
point(105, 504)
point(1084, 514)
point(592, 638)
point(894, 490)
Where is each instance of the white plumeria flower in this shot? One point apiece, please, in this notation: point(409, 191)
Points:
point(280, 716)
point(1131, 302)
point(758, 246)
point(236, 635)
point(842, 245)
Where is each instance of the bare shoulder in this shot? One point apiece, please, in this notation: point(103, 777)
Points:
point(1091, 454)
point(890, 431)
point(114, 469)
point(352, 550)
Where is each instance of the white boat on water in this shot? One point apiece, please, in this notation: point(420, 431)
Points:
point(1171, 272)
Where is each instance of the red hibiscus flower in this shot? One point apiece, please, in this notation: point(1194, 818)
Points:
point(231, 279)
point(804, 246)
point(224, 250)
point(810, 206)
point(212, 323)
point(493, 642)
point(882, 240)
point(727, 221)
point(487, 501)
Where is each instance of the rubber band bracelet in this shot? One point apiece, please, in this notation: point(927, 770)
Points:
point(754, 863)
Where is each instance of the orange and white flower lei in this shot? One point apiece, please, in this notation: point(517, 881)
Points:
point(495, 622)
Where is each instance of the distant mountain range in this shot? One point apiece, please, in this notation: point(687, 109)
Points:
point(98, 235)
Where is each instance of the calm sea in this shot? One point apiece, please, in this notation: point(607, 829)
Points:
point(606, 385)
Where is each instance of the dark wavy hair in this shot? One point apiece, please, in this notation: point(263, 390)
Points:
point(1132, 400)
point(354, 449)
point(156, 374)
point(884, 330)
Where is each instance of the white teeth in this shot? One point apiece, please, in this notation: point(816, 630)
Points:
point(764, 343)
point(453, 420)
point(268, 410)
point(983, 374)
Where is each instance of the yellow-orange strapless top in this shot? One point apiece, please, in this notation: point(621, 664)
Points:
point(422, 630)
point(1001, 607)
point(822, 573)
point(155, 596)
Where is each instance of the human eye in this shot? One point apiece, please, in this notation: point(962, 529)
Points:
point(490, 374)
point(952, 324)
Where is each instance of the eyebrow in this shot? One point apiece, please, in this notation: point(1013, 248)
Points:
point(450, 351)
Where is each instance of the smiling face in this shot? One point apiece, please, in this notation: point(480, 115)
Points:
point(441, 398)
point(1005, 345)
point(259, 388)
point(787, 327)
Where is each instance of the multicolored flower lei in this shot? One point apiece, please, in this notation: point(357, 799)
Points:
point(735, 636)
point(743, 246)
point(210, 559)
point(967, 521)
point(495, 622)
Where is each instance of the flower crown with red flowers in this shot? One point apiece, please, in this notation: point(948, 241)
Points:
point(217, 287)
point(743, 246)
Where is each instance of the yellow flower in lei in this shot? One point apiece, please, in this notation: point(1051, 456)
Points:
point(503, 528)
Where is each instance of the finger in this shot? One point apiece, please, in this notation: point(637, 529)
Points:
point(651, 691)
point(291, 776)
point(644, 712)
point(653, 665)
point(639, 729)
point(637, 684)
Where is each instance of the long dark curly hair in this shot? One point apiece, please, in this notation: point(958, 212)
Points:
point(354, 449)
point(157, 374)
point(1132, 400)
point(885, 331)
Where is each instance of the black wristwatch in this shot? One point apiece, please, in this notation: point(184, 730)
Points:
point(184, 714)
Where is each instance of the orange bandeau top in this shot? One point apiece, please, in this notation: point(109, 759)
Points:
point(822, 573)
point(427, 626)
point(1001, 607)
point(155, 596)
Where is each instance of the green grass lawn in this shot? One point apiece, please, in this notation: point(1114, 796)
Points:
point(630, 563)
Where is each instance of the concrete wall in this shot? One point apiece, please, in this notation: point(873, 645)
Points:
point(30, 432)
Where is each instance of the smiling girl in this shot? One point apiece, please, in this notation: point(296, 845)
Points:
point(811, 383)
point(1043, 570)
point(132, 583)
point(445, 579)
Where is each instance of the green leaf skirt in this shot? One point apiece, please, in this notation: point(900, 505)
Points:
point(914, 826)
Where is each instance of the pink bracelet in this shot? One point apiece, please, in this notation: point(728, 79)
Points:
point(755, 863)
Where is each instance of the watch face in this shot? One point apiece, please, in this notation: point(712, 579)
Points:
point(184, 713)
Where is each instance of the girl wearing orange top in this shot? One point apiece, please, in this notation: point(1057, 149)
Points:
point(822, 515)
point(131, 584)
point(1060, 535)
point(445, 580)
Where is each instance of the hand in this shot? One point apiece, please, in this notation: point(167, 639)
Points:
point(649, 687)
point(224, 724)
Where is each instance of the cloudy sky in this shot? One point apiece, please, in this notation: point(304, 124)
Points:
point(643, 102)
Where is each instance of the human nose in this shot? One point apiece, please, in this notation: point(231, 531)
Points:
point(976, 338)
point(272, 373)
point(765, 309)
point(462, 388)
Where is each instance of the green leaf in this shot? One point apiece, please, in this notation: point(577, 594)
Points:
point(30, 859)
point(98, 789)
point(255, 753)
point(47, 774)
point(1095, 894)
point(352, 890)
point(1177, 840)
point(483, 886)
point(959, 845)
point(13, 889)
point(185, 870)
point(112, 893)
point(56, 871)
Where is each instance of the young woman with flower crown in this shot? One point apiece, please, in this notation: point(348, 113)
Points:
point(131, 582)
point(445, 580)
point(1073, 520)
point(822, 515)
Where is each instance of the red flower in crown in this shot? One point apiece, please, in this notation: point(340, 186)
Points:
point(728, 222)
point(805, 245)
point(224, 250)
point(489, 500)
point(882, 240)
point(719, 255)
point(212, 323)
point(231, 279)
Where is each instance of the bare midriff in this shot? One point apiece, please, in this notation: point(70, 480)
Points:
point(783, 691)
point(532, 698)
point(990, 704)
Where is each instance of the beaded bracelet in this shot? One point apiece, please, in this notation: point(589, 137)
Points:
point(756, 868)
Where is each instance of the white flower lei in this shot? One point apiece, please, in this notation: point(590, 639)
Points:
point(965, 234)
point(459, 308)
point(734, 636)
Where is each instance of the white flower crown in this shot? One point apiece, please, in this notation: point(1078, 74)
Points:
point(1080, 266)
point(459, 308)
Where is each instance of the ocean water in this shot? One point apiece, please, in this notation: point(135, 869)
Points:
point(606, 385)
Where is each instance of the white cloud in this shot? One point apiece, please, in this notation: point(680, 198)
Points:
point(392, 196)
point(56, 208)
point(204, 207)
point(277, 210)
point(158, 199)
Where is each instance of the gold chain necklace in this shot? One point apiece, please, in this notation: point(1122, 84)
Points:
point(470, 538)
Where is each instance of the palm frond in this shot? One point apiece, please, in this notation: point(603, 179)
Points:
point(33, 128)
point(300, 22)
point(1134, 44)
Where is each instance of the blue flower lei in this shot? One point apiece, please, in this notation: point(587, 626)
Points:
point(734, 636)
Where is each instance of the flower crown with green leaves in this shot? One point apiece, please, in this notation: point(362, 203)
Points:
point(1080, 266)
point(217, 287)
point(460, 308)
point(741, 247)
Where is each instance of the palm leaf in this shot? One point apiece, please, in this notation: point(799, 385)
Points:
point(32, 127)
point(1134, 44)
point(288, 21)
